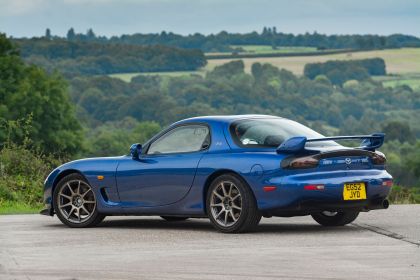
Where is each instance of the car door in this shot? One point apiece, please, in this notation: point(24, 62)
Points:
point(164, 173)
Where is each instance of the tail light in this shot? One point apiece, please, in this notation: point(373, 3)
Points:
point(378, 158)
point(303, 162)
point(314, 187)
point(387, 183)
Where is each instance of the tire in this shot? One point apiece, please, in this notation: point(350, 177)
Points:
point(331, 219)
point(174, 219)
point(75, 203)
point(231, 205)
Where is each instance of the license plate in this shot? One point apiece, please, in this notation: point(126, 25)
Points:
point(354, 191)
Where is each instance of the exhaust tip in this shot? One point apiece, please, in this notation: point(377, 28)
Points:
point(385, 203)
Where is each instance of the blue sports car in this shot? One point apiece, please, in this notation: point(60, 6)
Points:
point(232, 169)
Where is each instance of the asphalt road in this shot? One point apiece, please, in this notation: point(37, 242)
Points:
point(383, 244)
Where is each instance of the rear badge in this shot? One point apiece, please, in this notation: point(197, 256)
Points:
point(346, 161)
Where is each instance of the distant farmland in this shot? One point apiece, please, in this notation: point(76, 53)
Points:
point(398, 61)
point(402, 64)
point(269, 49)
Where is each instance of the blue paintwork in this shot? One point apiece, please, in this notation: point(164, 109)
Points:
point(175, 184)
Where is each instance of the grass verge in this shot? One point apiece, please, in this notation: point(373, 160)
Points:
point(403, 195)
point(13, 207)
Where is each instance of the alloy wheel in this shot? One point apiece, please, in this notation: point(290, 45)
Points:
point(226, 203)
point(76, 201)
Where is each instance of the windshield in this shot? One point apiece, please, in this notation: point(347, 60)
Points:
point(270, 133)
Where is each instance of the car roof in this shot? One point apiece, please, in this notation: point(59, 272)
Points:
point(226, 118)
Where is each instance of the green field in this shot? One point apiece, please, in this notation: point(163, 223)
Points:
point(126, 77)
point(269, 49)
point(412, 80)
point(398, 61)
point(403, 64)
point(263, 49)
point(414, 84)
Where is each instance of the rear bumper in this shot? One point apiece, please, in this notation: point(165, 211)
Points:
point(290, 193)
point(312, 206)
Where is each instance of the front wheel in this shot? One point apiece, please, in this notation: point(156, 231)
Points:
point(231, 205)
point(327, 218)
point(75, 202)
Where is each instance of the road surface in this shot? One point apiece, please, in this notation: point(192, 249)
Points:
point(383, 244)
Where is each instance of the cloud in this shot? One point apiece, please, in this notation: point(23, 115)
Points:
point(115, 17)
point(21, 7)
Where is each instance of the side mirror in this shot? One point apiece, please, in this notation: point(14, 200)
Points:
point(135, 150)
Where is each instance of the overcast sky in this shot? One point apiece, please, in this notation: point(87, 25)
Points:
point(115, 17)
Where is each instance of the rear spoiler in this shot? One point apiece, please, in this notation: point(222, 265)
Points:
point(297, 144)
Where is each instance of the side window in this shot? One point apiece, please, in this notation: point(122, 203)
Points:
point(184, 139)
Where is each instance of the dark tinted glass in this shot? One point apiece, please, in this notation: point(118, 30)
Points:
point(271, 132)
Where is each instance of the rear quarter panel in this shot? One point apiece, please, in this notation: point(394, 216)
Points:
point(256, 168)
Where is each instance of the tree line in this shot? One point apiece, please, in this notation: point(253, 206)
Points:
point(92, 58)
point(223, 40)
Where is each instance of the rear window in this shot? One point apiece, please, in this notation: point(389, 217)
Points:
point(270, 133)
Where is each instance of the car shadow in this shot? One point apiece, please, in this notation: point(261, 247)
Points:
point(205, 225)
point(158, 224)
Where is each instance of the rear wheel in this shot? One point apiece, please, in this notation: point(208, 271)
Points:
point(174, 219)
point(327, 218)
point(231, 205)
point(75, 203)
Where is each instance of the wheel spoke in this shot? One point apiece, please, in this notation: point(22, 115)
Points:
point(84, 209)
point(216, 205)
point(236, 197)
point(220, 213)
point(218, 195)
point(85, 193)
point(78, 214)
point(233, 216)
point(65, 205)
point(78, 188)
point(236, 207)
point(69, 187)
point(223, 189)
point(230, 190)
point(226, 217)
point(71, 212)
point(89, 202)
point(65, 196)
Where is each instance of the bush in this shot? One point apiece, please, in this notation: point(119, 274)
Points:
point(22, 173)
point(403, 195)
point(338, 71)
